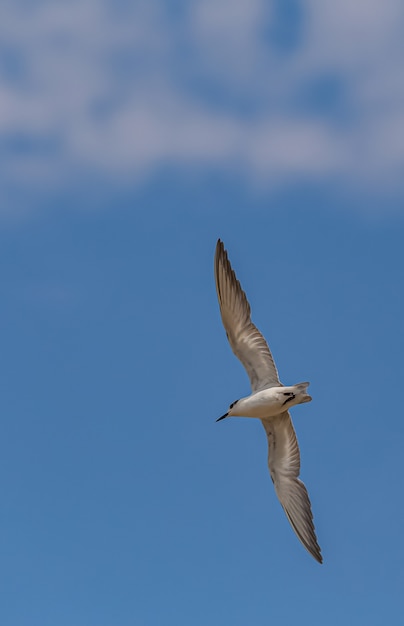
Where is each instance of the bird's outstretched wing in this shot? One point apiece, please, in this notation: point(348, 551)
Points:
point(284, 467)
point(245, 339)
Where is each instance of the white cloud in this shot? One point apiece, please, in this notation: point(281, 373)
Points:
point(122, 89)
point(228, 36)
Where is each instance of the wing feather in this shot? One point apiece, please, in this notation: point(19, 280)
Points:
point(245, 339)
point(284, 467)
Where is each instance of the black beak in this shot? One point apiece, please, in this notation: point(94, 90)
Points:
point(222, 418)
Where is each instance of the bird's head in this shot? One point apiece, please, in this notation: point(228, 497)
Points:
point(229, 413)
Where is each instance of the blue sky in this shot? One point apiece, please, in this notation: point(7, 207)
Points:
point(132, 136)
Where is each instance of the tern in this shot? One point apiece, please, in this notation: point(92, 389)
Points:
point(269, 401)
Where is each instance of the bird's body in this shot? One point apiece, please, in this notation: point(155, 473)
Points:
point(269, 401)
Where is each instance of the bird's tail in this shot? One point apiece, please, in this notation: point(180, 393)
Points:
point(301, 392)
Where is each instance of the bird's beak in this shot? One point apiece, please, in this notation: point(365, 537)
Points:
point(222, 418)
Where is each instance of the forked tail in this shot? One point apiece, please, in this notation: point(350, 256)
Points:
point(301, 392)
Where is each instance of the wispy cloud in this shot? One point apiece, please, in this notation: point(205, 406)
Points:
point(122, 88)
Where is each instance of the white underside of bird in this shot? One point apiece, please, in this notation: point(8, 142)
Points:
point(269, 401)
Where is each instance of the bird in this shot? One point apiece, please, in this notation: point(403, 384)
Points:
point(269, 401)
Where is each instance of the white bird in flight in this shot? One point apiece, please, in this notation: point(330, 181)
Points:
point(269, 401)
